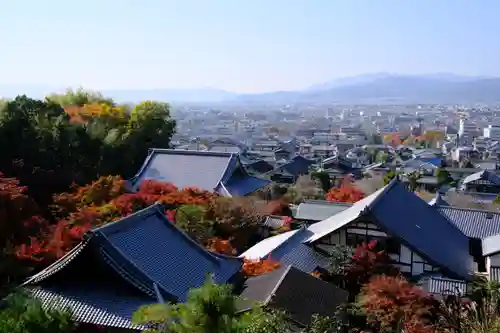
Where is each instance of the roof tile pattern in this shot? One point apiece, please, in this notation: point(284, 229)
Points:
point(92, 307)
point(473, 223)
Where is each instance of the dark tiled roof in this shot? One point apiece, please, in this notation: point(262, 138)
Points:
point(260, 166)
point(319, 210)
point(211, 171)
point(473, 223)
point(98, 308)
point(144, 250)
point(290, 289)
point(485, 175)
point(149, 242)
point(419, 226)
point(241, 186)
point(297, 166)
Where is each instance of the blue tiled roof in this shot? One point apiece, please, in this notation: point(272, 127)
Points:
point(298, 165)
point(241, 186)
point(148, 241)
point(145, 249)
point(289, 249)
point(419, 225)
point(211, 171)
point(473, 223)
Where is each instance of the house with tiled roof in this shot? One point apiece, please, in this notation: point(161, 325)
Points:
point(291, 170)
point(418, 238)
point(483, 229)
point(484, 181)
point(299, 294)
point(220, 172)
point(141, 259)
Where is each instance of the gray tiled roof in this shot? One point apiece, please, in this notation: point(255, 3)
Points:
point(299, 294)
point(495, 274)
point(473, 223)
point(211, 171)
point(91, 307)
point(185, 168)
point(318, 210)
point(417, 224)
point(443, 286)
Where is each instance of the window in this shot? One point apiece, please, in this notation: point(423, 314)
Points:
point(392, 246)
point(353, 240)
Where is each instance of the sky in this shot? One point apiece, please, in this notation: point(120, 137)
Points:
point(241, 46)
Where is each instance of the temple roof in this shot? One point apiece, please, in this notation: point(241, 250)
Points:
point(144, 251)
point(417, 224)
point(212, 171)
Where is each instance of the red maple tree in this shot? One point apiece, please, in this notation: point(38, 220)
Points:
point(393, 304)
point(368, 261)
point(98, 203)
point(346, 192)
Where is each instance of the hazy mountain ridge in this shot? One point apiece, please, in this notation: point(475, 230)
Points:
point(370, 88)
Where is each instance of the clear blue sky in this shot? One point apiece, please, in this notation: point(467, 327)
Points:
point(243, 46)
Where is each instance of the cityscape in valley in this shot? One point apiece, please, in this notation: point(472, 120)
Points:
point(338, 171)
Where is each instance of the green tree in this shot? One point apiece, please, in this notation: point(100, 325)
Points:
point(376, 139)
point(321, 324)
point(413, 181)
point(443, 176)
point(78, 97)
point(324, 178)
point(20, 314)
point(209, 309)
point(389, 176)
point(382, 157)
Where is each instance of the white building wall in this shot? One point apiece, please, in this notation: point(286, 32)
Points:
point(407, 260)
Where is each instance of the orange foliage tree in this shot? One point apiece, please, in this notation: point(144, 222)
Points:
point(258, 267)
point(346, 192)
point(222, 246)
point(393, 139)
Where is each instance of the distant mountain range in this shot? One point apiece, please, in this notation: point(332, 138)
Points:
point(370, 88)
